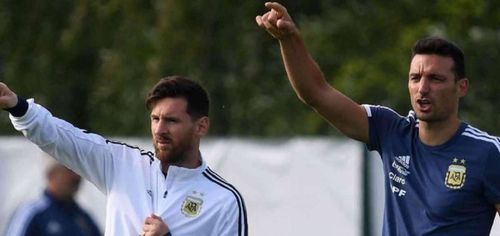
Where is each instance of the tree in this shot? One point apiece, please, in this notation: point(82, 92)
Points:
point(93, 62)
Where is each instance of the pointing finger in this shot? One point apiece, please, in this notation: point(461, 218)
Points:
point(258, 19)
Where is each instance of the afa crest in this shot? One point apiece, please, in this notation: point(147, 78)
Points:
point(455, 177)
point(191, 206)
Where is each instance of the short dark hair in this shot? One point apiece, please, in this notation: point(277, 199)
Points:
point(442, 47)
point(179, 86)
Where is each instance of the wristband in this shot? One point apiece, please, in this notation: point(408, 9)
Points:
point(20, 108)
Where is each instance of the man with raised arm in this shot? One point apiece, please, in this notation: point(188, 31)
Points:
point(442, 175)
point(172, 192)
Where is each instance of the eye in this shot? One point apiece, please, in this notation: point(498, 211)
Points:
point(155, 118)
point(414, 77)
point(171, 120)
point(436, 78)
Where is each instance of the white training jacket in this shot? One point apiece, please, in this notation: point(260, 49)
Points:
point(192, 202)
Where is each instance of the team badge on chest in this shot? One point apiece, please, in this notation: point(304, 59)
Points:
point(191, 206)
point(455, 177)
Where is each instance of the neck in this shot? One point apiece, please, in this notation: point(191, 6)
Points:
point(60, 196)
point(191, 161)
point(437, 133)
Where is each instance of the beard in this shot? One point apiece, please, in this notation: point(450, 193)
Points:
point(173, 154)
point(433, 117)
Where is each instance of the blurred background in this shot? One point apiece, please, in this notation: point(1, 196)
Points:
point(92, 62)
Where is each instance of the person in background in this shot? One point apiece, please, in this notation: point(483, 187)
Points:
point(55, 213)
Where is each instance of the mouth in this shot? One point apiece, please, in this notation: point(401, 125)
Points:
point(163, 141)
point(423, 104)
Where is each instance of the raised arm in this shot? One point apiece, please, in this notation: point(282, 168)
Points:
point(87, 154)
point(307, 79)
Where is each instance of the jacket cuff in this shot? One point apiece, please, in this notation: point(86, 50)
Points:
point(20, 108)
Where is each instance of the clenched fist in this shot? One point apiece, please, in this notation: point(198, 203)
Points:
point(154, 226)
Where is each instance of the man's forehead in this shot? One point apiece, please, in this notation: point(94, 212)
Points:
point(431, 62)
point(170, 105)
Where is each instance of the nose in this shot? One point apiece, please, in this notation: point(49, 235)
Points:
point(161, 127)
point(423, 86)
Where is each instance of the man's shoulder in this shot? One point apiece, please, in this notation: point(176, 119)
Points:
point(226, 196)
point(218, 184)
point(388, 120)
point(379, 111)
point(481, 138)
point(120, 146)
point(28, 210)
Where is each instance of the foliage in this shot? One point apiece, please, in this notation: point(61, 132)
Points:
point(93, 62)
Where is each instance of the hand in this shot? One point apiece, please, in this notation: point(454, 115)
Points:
point(8, 99)
point(277, 21)
point(154, 226)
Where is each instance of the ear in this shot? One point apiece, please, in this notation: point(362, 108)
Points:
point(462, 87)
point(202, 126)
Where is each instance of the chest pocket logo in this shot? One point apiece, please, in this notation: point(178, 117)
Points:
point(455, 177)
point(191, 206)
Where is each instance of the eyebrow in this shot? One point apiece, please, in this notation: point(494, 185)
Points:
point(429, 74)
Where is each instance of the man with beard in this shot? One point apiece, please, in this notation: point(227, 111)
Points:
point(56, 212)
point(171, 192)
point(441, 174)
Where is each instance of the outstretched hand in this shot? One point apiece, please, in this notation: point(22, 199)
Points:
point(8, 99)
point(154, 226)
point(277, 21)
